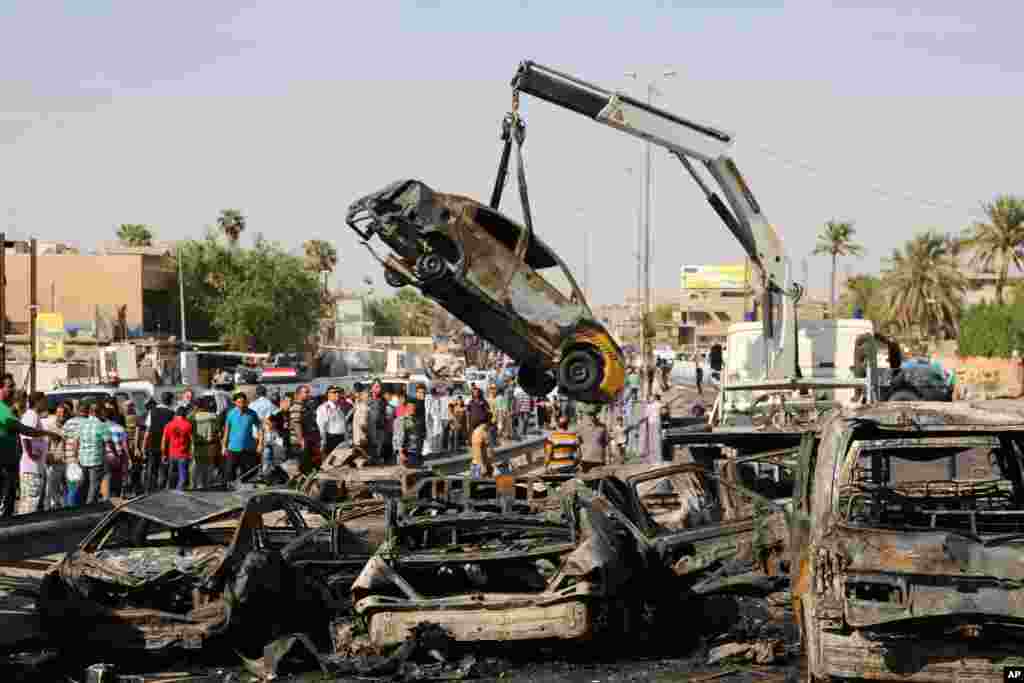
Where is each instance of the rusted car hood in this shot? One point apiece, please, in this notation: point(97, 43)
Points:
point(933, 553)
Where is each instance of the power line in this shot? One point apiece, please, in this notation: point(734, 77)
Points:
point(878, 190)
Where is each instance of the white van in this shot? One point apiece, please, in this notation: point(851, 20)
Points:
point(825, 347)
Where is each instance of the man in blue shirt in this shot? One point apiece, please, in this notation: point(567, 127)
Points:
point(262, 406)
point(243, 439)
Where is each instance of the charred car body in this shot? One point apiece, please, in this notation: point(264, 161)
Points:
point(910, 544)
point(179, 569)
point(551, 557)
point(498, 278)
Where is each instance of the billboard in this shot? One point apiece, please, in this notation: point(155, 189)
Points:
point(728, 276)
point(50, 336)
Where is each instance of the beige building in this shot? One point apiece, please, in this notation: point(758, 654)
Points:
point(90, 291)
point(711, 298)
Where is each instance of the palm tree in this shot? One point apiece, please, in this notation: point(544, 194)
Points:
point(996, 244)
point(864, 292)
point(232, 223)
point(135, 234)
point(415, 313)
point(836, 239)
point(924, 286)
point(321, 256)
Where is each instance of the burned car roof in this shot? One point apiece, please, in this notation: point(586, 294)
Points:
point(179, 509)
point(933, 416)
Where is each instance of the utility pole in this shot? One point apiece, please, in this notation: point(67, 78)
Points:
point(181, 298)
point(586, 265)
point(646, 258)
point(33, 308)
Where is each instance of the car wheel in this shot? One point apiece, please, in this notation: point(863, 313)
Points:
point(580, 371)
point(534, 381)
point(394, 278)
point(903, 395)
point(430, 267)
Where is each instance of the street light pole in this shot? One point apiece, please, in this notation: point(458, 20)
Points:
point(646, 251)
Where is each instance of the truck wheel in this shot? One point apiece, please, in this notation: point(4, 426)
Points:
point(430, 267)
point(580, 371)
point(903, 395)
point(394, 278)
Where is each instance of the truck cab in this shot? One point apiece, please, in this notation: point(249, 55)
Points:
point(826, 350)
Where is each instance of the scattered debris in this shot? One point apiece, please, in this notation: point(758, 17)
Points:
point(177, 569)
point(759, 652)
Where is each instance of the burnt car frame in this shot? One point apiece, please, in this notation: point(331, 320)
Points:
point(181, 569)
point(909, 544)
point(498, 278)
point(547, 556)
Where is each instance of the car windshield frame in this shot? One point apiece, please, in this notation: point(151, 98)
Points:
point(849, 489)
point(539, 257)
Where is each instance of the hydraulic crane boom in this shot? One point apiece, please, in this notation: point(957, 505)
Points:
point(691, 142)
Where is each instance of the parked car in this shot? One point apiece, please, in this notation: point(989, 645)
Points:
point(499, 279)
point(180, 569)
point(909, 544)
point(124, 393)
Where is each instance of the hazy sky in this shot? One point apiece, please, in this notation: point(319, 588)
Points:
point(166, 112)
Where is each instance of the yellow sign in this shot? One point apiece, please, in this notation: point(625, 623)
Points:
point(729, 276)
point(50, 336)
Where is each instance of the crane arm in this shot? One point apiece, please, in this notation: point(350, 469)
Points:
point(688, 141)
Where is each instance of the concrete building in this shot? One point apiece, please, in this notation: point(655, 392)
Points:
point(711, 298)
point(92, 291)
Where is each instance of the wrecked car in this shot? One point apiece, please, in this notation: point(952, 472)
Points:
point(498, 278)
point(496, 559)
point(909, 540)
point(180, 569)
point(548, 556)
point(694, 520)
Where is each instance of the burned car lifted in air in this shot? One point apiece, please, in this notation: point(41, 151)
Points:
point(909, 538)
point(500, 279)
point(546, 557)
point(179, 569)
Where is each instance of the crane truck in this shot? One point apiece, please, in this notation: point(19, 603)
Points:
point(778, 390)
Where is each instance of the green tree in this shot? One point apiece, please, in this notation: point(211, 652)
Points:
point(320, 255)
point(992, 330)
point(232, 224)
point(385, 318)
point(924, 286)
point(405, 314)
point(864, 292)
point(835, 240)
point(995, 245)
point(262, 293)
point(135, 234)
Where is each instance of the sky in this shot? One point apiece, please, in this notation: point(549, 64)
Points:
point(900, 119)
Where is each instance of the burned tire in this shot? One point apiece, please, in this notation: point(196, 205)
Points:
point(580, 371)
point(431, 267)
point(903, 395)
point(534, 381)
point(394, 278)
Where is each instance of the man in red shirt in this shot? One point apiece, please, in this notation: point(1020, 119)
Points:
point(177, 445)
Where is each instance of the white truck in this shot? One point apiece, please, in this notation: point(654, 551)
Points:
point(773, 367)
point(826, 354)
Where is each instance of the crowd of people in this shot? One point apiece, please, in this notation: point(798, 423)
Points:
point(68, 455)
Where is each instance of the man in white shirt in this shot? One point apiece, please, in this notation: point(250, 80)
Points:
point(332, 421)
point(262, 406)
